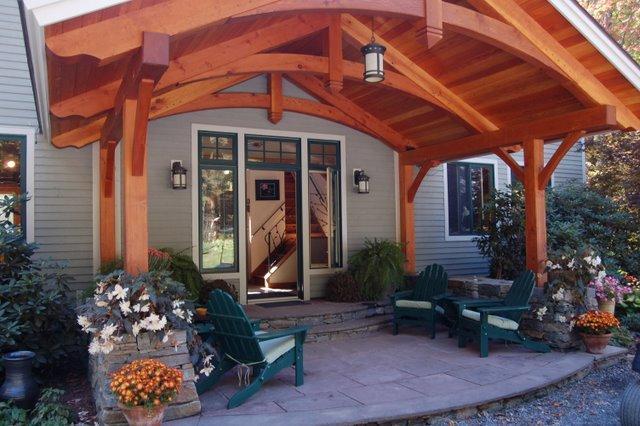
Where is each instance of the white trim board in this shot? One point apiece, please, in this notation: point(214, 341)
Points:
point(496, 181)
point(304, 137)
point(30, 134)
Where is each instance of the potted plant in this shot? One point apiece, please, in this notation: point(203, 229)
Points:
point(143, 389)
point(595, 328)
point(609, 290)
point(377, 268)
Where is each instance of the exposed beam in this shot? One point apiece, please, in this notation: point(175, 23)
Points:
point(590, 120)
point(80, 136)
point(149, 64)
point(415, 185)
point(361, 33)
point(431, 32)
point(334, 44)
point(535, 209)
point(385, 133)
point(561, 151)
point(407, 219)
point(516, 168)
point(275, 95)
point(591, 88)
point(99, 100)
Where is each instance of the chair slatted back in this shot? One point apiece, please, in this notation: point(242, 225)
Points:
point(431, 282)
point(232, 328)
point(520, 293)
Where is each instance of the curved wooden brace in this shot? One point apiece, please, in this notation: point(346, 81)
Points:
point(552, 164)
point(516, 168)
point(417, 181)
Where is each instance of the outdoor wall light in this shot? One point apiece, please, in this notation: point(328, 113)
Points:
point(361, 181)
point(178, 175)
point(11, 164)
point(373, 60)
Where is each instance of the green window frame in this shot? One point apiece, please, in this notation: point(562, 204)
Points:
point(270, 151)
point(215, 157)
point(324, 155)
point(468, 187)
point(22, 173)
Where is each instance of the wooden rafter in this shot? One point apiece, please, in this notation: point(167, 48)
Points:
point(334, 44)
point(361, 33)
point(590, 120)
point(516, 168)
point(581, 78)
point(99, 100)
point(431, 32)
point(417, 181)
point(275, 97)
point(561, 151)
point(385, 133)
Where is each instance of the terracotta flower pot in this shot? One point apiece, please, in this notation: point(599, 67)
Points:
point(595, 343)
point(202, 313)
point(143, 416)
point(607, 306)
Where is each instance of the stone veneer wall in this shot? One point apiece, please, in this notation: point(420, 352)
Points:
point(554, 328)
point(184, 405)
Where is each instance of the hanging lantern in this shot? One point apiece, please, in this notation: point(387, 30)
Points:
point(373, 60)
point(361, 181)
point(178, 175)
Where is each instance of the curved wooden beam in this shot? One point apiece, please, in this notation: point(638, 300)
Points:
point(100, 100)
point(561, 151)
point(417, 181)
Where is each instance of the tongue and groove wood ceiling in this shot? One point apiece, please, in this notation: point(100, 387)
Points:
point(486, 85)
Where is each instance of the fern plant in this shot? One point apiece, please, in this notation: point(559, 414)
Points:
point(378, 267)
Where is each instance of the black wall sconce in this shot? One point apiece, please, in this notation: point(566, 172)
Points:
point(361, 181)
point(178, 175)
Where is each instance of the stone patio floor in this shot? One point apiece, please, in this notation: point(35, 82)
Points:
point(383, 377)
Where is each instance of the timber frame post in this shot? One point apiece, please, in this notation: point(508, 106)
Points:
point(535, 209)
point(107, 202)
point(407, 218)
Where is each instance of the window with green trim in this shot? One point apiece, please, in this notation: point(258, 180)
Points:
point(325, 204)
point(272, 150)
point(469, 189)
point(217, 182)
point(13, 172)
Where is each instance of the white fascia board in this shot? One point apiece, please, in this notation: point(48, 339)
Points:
point(598, 37)
point(37, 15)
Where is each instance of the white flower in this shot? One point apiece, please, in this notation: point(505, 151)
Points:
point(107, 331)
point(559, 295)
point(107, 346)
point(84, 322)
point(597, 261)
point(572, 323)
point(601, 275)
point(139, 308)
point(571, 264)
point(119, 292)
point(549, 264)
point(125, 307)
point(207, 370)
point(100, 287)
point(177, 303)
point(94, 346)
point(101, 304)
point(154, 323)
point(588, 259)
point(144, 296)
point(179, 312)
point(540, 313)
point(561, 319)
point(167, 334)
point(135, 328)
point(189, 316)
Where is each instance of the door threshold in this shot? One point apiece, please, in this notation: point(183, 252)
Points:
point(273, 300)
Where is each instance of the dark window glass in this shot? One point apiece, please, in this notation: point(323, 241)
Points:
point(215, 147)
point(12, 172)
point(323, 154)
point(469, 189)
point(272, 150)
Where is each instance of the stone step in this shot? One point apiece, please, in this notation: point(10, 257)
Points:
point(359, 311)
point(348, 329)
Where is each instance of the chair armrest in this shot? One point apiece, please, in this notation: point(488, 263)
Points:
point(283, 333)
point(255, 324)
point(400, 295)
point(439, 297)
point(496, 309)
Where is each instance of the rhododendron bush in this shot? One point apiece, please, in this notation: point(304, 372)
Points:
point(125, 304)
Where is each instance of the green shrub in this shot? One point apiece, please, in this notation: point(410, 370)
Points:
point(49, 411)
point(185, 271)
point(631, 321)
point(378, 267)
point(35, 311)
point(622, 337)
point(342, 287)
point(209, 286)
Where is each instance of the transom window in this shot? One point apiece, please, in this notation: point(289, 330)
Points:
point(272, 150)
point(323, 154)
point(469, 189)
point(218, 201)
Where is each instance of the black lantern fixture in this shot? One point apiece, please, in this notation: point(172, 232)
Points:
point(373, 60)
point(178, 175)
point(361, 181)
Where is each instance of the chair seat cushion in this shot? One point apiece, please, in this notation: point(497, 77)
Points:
point(418, 304)
point(495, 320)
point(275, 348)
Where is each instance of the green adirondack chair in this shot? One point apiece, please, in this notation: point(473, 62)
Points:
point(240, 344)
point(419, 306)
point(483, 320)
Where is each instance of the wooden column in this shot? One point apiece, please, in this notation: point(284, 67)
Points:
point(107, 203)
point(407, 218)
point(535, 209)
point(134, 196)
point(275, 92)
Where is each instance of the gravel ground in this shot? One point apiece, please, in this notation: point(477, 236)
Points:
point(592, 400)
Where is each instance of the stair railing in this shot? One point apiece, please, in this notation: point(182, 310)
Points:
point(262, 227)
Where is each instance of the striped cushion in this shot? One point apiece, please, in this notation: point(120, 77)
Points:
point(500, 322)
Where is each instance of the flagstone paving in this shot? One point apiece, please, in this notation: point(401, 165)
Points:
point(383, 377)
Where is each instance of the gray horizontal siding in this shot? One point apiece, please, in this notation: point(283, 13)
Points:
point(17, 104)
point(63, 209)
point(462, 257)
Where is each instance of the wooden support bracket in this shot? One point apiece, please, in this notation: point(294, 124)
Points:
point(516, 168)
point(334, 43)
point(275, 93)
point(563, 149)
point(431, 33)
point(415, 185)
